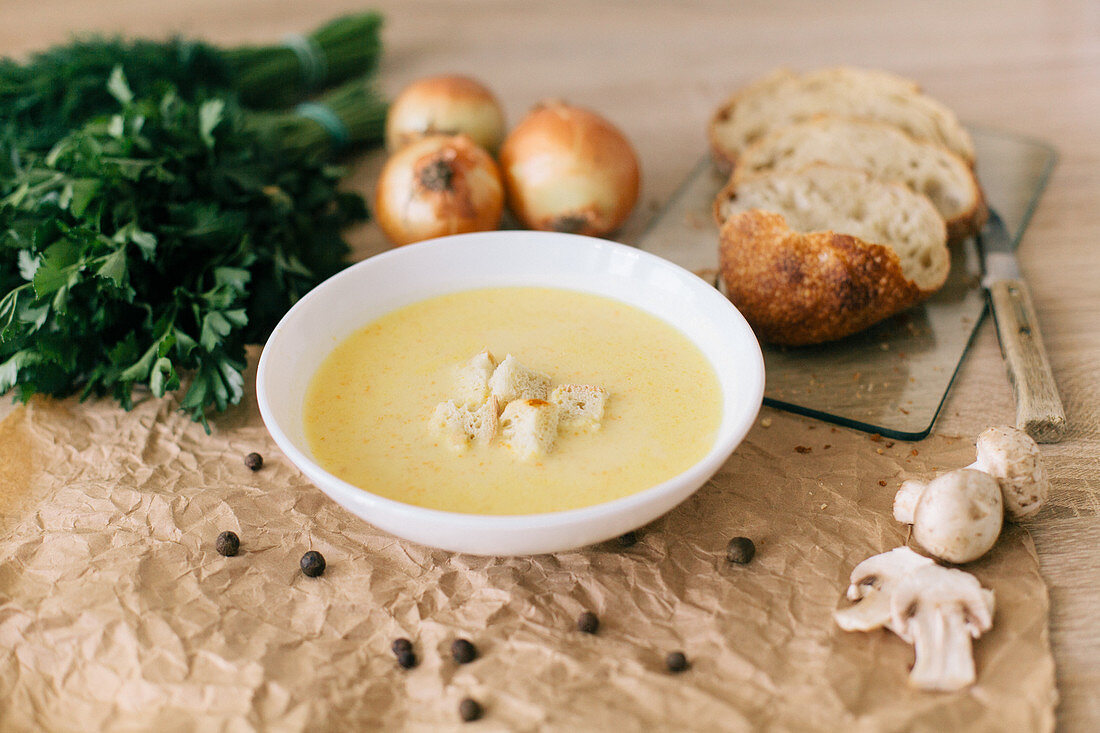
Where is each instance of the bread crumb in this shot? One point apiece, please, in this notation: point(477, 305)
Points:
point(766, 422)
point(803, 449)
point(880, 451)
point(881, 483)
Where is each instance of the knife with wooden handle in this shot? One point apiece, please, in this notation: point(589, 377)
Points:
point(1039, 410)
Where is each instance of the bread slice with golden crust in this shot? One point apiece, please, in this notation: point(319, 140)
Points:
point(815, 255)
point(883, 150)
point(784, 97)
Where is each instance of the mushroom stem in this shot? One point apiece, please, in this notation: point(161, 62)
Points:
point(905, 501)
point(944, 658)
point(939, 611)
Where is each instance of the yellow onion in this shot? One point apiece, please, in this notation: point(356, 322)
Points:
point(438, 185)
point(445, 105)
point(567, 169)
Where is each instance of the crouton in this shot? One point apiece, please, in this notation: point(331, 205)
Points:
point(528, 427)
point(472, 379)
point(458, 425)
point(513, 381)
point(580, 406)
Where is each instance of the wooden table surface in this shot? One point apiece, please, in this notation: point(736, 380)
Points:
point(659, 69)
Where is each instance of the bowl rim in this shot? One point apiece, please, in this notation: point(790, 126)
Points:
point(700, 471)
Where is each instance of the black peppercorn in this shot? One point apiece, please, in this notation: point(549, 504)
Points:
point(676, 662)
point(406, 658)
point(469, 710)
point(628, 540)
point(588, 623)
point(463, 651)
point(740, 550)
point(228, 544)
point(313, 563)
point(402, 645)
point(254, 461)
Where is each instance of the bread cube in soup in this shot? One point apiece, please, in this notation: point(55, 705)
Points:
point(458, 425)
point(580, 406)
point(513, 381)
point(529, 427)
point(472, 379)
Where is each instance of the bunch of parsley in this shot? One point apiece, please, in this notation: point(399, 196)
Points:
point(44, 97)
point(145, 249)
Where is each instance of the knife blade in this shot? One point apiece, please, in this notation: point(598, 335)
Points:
point(1039, 410)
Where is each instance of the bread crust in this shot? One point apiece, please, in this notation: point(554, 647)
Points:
point(968, 225)
point(797, 289)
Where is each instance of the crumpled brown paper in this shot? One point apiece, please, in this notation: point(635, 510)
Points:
point(116, 612)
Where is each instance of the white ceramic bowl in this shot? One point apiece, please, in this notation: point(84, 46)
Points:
point(374, 287)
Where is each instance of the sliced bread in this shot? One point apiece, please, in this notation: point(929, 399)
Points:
point(785, 97)
point(879, 148)
point(817, 254)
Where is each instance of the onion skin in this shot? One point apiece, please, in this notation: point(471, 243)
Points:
point(567, 169)
point(438, 185)
point(445, 105)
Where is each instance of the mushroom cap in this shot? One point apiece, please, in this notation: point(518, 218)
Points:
point(1013, 459)
point(873, 582)
point(936, 589)
point(959, 515)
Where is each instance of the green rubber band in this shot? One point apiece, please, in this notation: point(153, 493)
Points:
point(327, 119)
point(311, 59)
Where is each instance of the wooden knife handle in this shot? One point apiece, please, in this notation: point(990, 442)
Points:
point(1039, 411)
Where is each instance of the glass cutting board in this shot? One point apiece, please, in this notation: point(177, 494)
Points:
point(892, 378)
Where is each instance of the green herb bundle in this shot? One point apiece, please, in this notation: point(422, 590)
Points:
point(60, 88)
point(157, 242)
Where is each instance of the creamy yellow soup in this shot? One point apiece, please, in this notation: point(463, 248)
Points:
point(368, 408)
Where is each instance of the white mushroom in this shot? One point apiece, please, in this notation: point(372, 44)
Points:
point(873, 582)
point(1013, 459)
point(939, 610)
point(958, 516)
